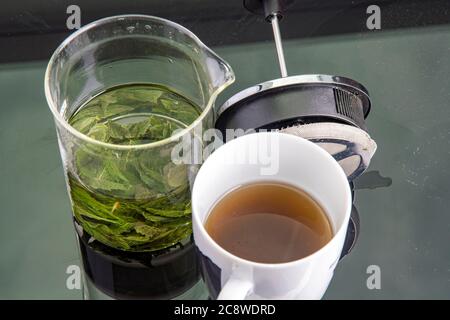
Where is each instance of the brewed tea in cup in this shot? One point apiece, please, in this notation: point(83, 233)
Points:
point(269, 222)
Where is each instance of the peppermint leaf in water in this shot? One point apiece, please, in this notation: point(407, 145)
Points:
point(99, 132)
point(115, 110)
point(146, 95)
point(117, 134)
point(176, 175)
point(146, 230)
point(85, 124)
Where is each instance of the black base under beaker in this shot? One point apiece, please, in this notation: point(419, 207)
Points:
point(163, 274)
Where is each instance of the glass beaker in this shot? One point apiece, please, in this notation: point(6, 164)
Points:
point(130, 201)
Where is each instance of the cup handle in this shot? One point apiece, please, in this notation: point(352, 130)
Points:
point(237, 287)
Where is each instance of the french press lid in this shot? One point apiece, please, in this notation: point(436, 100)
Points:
point(327, 110)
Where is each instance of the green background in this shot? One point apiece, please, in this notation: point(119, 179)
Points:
point(405, 227)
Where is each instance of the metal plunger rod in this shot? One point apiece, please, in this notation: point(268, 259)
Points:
point(278, 44)
point(273, 12)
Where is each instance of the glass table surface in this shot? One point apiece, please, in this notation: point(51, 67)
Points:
point(403, 200)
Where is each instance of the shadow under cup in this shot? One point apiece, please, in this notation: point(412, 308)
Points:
point(299, 163)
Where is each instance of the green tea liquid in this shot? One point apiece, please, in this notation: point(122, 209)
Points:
point(132, 200)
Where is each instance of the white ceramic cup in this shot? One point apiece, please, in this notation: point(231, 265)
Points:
point(300, 163)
